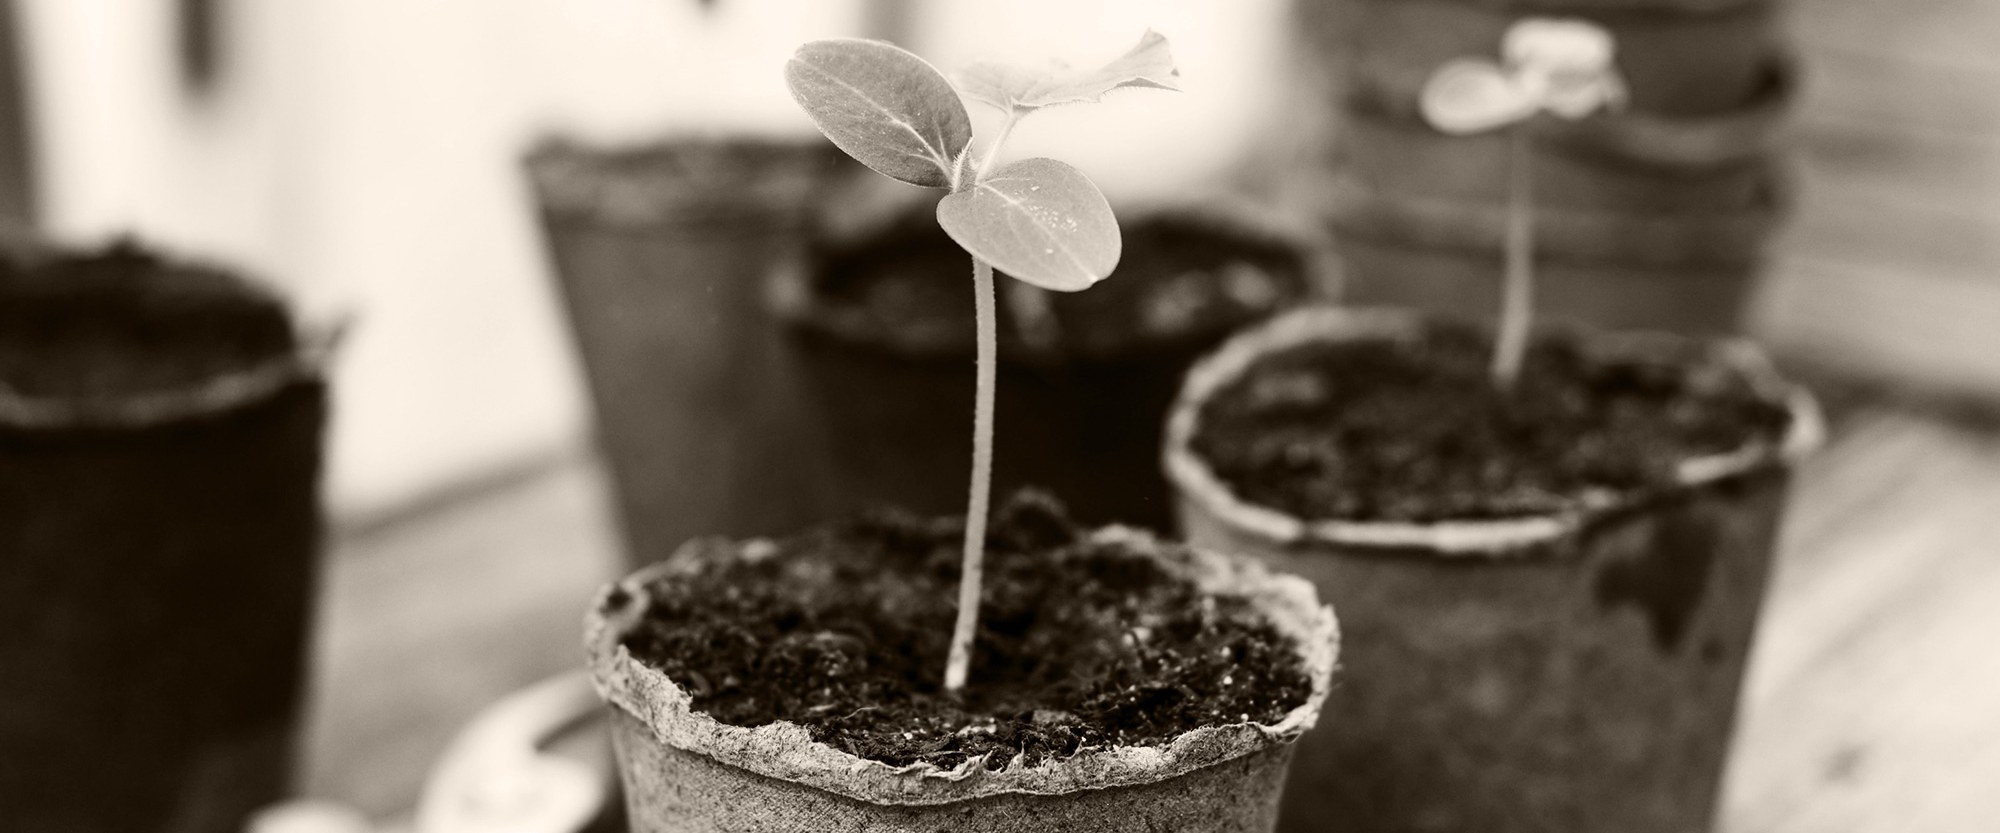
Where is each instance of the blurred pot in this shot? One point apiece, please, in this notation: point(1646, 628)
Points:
point(662, 253)
point(1628, 162)
point(160, 450)
point(1556, 672)
point(1678, 57)
point(884, 324)
point(1690, 272)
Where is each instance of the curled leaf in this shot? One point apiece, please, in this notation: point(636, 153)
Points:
point(1471, 96)
point(1559, 65)
point(1018, 90)
point(1039, 220)
point(1574, 97)
point(884, 106)
point(1567, 65)
point(1548, 44)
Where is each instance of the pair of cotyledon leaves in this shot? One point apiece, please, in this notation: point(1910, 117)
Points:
point(1040, 220)
point(1553, 65)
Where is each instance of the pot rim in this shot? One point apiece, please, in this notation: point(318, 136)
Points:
point(1700, 143)
point(1513, 537)
point(633, 184)
point(793, 301)
point(785, 750)
point(318, 336)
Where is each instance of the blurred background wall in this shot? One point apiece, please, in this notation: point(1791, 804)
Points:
point(1892, 266)
point(364, 153)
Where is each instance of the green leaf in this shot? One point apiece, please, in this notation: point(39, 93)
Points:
point(1018, 90)
point(1039, 220)
point(886, 107)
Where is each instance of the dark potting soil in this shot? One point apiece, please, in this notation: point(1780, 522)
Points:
point(1183, 279)
point(121, 321)
point(1413, 430)
point(1081, 644)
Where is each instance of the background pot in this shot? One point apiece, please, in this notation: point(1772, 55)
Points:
point(1678, 57)
point(686, 773)
point(1642, 220)
point(662, 253)
point(157, 564)
point(1687, 272)
point(1079, 417)
point(1625, 162)
point(1560, 672)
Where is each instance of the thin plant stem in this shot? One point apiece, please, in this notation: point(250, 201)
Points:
point(1033, 319)
point(971, 574)
point(1517, 303)
point(993, 150)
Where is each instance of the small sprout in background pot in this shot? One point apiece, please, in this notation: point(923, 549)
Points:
point(1039, 220)
point(1549, 65)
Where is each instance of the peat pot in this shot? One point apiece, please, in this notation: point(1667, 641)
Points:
point(1678, 57)
point(1687, 272)
point(662, 252)
point(1571, 670)
point(1629, 162)
point(884, 323)
point(686, 772)
point(160, 429)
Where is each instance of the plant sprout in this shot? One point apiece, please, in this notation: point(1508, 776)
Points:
point(1039, 220)
point(1559, 66)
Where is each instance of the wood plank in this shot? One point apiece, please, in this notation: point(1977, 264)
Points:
point(1870, 701)
point(1911, 91)
point(426, 621)
point(1925, 239)
point(1878, 163)
point(1892, 268)
point(1871, 559)
point(1920, 329)
point(1889, 730)
point(1918, 32)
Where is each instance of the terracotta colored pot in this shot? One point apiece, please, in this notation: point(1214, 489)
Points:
point(1678, 57)
point(684, 772)
point(158, 555)
point(1629, 162)
point(1080, 419)
point(662, 253)
point(1680, 272)
point(1563, 672)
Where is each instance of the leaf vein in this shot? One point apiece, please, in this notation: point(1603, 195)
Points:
point(1057, 243)
point(935, 151)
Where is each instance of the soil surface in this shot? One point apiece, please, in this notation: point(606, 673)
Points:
point(121, 321)
point(1413, 431)
point(1183, 279)
point(1082, 645)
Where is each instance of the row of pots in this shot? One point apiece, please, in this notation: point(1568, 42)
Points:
point(160, 450)
point(1491, 680)
point(1670, 198)
point(799, 392)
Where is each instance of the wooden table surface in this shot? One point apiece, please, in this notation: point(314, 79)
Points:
point(1873, 702)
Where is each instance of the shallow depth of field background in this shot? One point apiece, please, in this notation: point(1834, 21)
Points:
point(365, 154)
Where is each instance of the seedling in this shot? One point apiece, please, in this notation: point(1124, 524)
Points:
point(1549, 65)
point(1039, 220)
